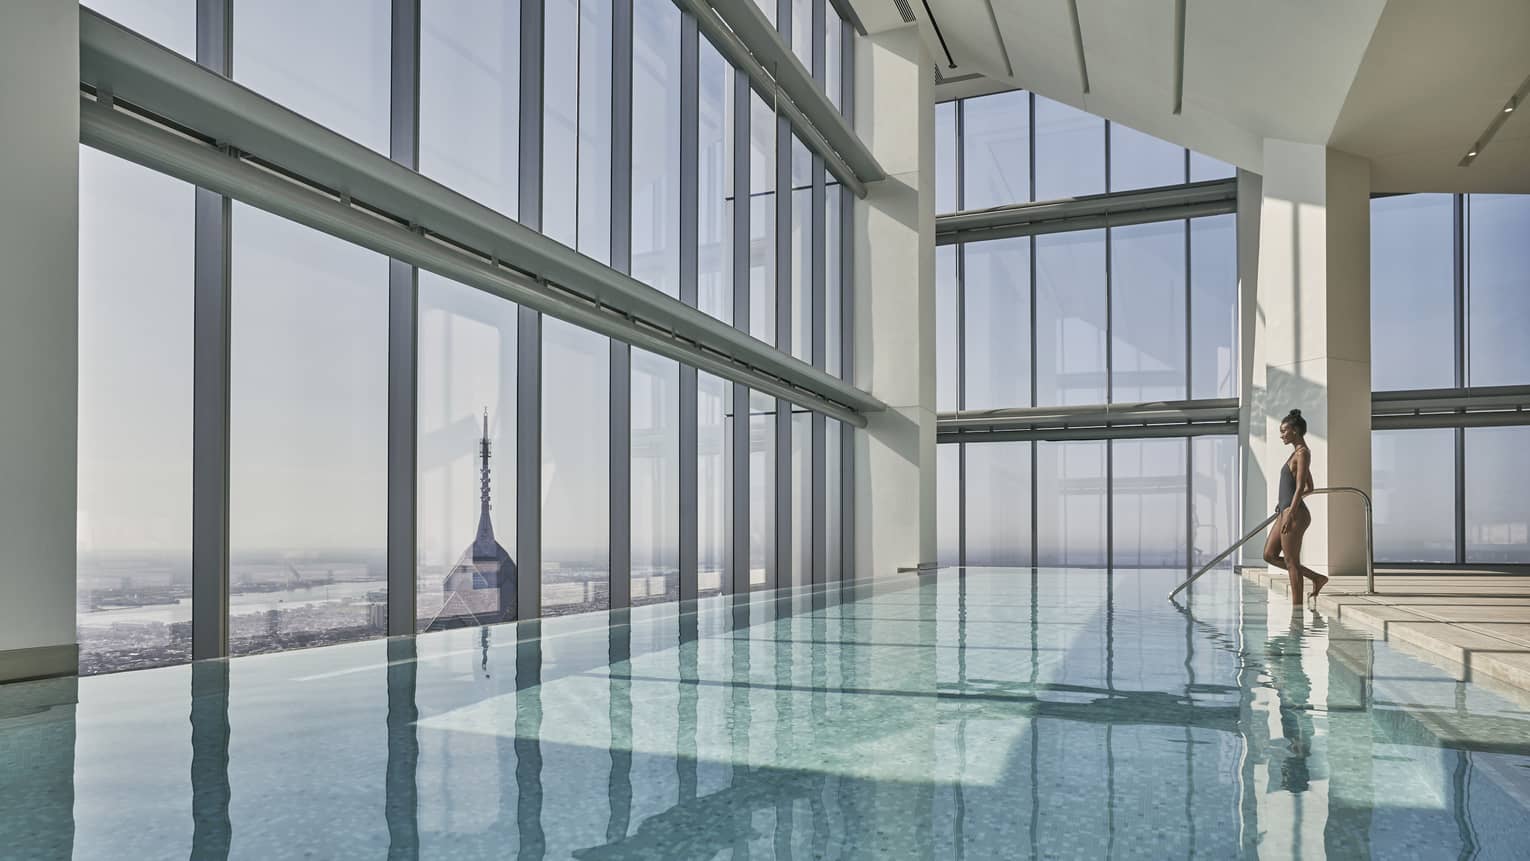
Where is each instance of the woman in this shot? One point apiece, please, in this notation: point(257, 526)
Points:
point(1285, 545)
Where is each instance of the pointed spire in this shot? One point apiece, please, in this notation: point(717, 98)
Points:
point(483, 544)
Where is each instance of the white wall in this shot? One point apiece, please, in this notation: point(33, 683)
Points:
point(39, 235)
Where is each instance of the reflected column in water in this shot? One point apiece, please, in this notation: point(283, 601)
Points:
point(619, 784)
point(401, 805)
point(686, 706)
point(211, 830)
point(738, 741)
point(782, 635)
point(818, 651)
point(1351, 745)
point(528, 733)
point(37, 741)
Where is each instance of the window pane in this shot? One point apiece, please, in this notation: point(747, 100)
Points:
point(576, 442)
point(1147, 288)
point(466, 573)
point(656, 145)
point(470, 99)
point(172, 23)
point(998, 503)
point(1140, 160)
point(834, 31)
point(714, 286)
point(762, 221)
point(594, 130)
point(1497, 497)
point(996, 150)
point(1070, 151)
point(307, 437)
point(1148, 505)
point(1214, 307)
point(134, 523)
point(946, 323)
point(576, 125)
point(996, 316)
point(714, 501)
point(1217, 501)
point(762, 495)
point(833, 283)
point(833, 501)
point(327, 61)
point(1414, 492)
point(945, 157)
point(1070, 318)
point(1413, 312)
point(655, 478)
point(802, 497)
point(1204, 167)
point(1070, 497)
point(1498, 288)
point(948, 488)
point(560, 120)
point(802, 32)
point(802, 253)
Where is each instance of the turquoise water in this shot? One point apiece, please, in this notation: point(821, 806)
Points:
point(991, 713)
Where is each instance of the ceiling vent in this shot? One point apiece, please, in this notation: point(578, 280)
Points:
point(905, 10)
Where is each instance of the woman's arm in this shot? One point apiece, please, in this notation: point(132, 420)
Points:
point(1301, 463)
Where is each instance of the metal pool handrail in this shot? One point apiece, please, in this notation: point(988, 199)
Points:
point(1370, 553)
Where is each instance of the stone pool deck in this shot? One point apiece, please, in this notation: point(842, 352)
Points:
point(1475, 625)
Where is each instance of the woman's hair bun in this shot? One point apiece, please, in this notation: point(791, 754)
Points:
point(1296, 414)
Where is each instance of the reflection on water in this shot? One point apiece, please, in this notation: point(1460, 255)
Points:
point(978, 714)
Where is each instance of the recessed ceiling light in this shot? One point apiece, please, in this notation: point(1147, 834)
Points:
point(1498, 120)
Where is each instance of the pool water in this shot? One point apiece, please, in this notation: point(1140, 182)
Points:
point(978, 713)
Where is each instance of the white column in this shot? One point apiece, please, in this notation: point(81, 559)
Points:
point(39, 238)
point(1251, 438)
point(895, 305)
point(1312, 346)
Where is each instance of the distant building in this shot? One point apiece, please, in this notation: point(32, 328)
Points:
point(480, 588)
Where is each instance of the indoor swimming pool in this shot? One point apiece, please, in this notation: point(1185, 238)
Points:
point(985, 713)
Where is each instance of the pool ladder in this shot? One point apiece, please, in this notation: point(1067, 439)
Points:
point(1370, 552)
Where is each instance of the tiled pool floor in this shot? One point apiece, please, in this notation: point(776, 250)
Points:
point(986, 713)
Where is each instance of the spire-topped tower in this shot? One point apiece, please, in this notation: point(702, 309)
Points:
point(481, 587)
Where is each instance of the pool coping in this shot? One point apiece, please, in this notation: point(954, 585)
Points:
point(1431, 617)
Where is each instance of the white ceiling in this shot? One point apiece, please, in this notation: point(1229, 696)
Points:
point(1408, 84)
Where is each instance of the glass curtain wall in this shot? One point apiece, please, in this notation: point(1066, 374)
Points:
point(655, 478)
point(1449, 277)
point(1017, 147)
point(1138, 313)
point(576, 469)
point(133, 525)
point(465, 568)
point(308, 411)
point(311, 316)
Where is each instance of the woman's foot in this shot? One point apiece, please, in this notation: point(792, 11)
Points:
point(1318, 581)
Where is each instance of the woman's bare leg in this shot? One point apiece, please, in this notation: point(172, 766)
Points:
point(1291, 547)
point(1272, 547)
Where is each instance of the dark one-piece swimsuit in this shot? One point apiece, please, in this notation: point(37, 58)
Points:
point(1287, 485)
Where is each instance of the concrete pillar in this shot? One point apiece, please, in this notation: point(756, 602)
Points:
point(39, 260)
point(1312, 338)
point(1251, 439)
point(894, 310)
